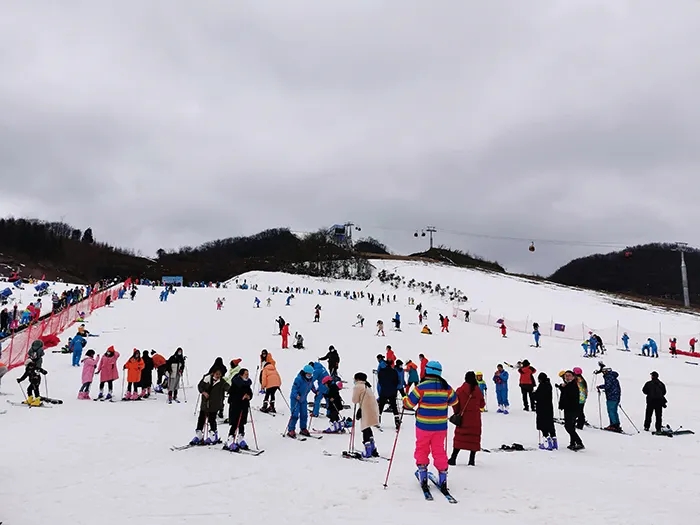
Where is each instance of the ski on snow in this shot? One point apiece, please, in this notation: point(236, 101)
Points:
point(189, 445)
point(249, 451)
point(16, 404)
point(426, 491)
point(444, 492)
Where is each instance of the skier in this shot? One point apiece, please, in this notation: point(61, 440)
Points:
point(76, 345)
point(545, 413)
point(285, 336)
point(423, 364)
point(380, 328)
point(536, 334)
point(300, 391)
point(360, 321)
point(397, 321)
point(672, 347)
point(470, 405)
point(585, 345)
point(569, 403)
point(655, 391)
point(583, 395)
point(280, 322)
point(333, 360)
point(593, 342)
point(334, 404)
point(613, 393)
point(402, 377)
point(483, 388)
point(431, 400)
point(500, 377)
point(626, 341)
point(175, 368)
point(108, 372)
point(504, 330)
point(317, 314)
point(599, 342)
point(268, 302)
point(653, 348)
point(387, 388)
point(367, 413)
point(213, 389)
point(89, 366)
point(31, 372)
point(271, 383)
point(693, 341)
point(445, 324)
point(317, 386)
point(133, 366)
point(239, 396)
point(413, 377)
point(257, 302)
point(527, 383)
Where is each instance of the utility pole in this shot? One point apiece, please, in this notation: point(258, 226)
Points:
point(681, 246)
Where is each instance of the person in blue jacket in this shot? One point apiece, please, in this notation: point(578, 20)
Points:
point(593, 342)
point(613, 393)
point(501, 380)
point(297, 398)
point(319, 372)
point(654, 349)
point(536, 334)
point(76, 345)
point(402, 377)
point(626, 341)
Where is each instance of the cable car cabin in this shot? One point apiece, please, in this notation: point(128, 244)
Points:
point(532, 247)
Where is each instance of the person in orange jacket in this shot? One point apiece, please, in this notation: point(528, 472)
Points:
point(133, 377)
point(159, 363)
point(271, 383)
point(285, 336)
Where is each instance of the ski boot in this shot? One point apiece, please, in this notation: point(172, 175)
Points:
point(305, 432)
point(265, 408)
point(505, 410)
point(100, 396)
point(543, 445)
point(292, 434)
point(272, 408)
point(423, 476)
point(369, 449)
point(212, 439)
point(552, 443)
point(109, 396)
point(397, 422)
point(198, 438)
point(241, 442)
point(231, 444)
point(500, 409)
point(442, 480)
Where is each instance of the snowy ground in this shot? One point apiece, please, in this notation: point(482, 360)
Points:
point(24, 297)
point(85, 462)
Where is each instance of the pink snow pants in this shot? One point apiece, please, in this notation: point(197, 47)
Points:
point(431, 442)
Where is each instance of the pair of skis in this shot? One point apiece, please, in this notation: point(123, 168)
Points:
point(426, 490)
point(24, 404)
point(302, 438)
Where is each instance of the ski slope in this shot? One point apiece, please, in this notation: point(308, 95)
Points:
point(86, 462)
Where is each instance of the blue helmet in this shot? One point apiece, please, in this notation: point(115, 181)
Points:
point(308, 370)
point(434, 368)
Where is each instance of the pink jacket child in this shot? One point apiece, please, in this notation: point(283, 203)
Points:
point(89, 366)
point(108, 371)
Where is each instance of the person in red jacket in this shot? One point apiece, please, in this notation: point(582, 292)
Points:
point(285, 336)
point(503, 329)
point(423, 364)
point(390, 355)
point(468, 433)
point(527, 383)
point(445, 324)
point(693, 341)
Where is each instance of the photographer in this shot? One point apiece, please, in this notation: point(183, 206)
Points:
point(613, 392)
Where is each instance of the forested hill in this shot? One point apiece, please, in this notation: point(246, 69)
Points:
point(650, 270)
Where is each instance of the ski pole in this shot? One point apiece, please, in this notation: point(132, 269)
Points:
point(600, 411)
point(628, 418)
point(184, 391)
point(351, 446)
point(123, 377)
point(252, 425)
point(24, 395)
point(393, 450)
point(46, 386)
point(196, 405)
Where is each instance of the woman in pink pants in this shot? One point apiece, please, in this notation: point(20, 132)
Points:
point(431, 400)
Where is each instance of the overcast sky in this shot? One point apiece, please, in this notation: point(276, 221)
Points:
point(170, 123)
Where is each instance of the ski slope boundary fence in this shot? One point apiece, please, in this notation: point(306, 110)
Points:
point(611, 335)
point(15, 354)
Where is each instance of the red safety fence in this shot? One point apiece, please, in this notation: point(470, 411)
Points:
point(15, 354)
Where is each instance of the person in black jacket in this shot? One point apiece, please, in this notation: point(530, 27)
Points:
point(213, 390)
point(545, 412)
point(655, 391)
point(334, 403)
point(333, 360)
point(146, 374)
point(239, 397)
point(569, 403)
point(388, 379)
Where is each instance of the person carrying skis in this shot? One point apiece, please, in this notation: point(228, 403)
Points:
point(569, 403)
point(333, 360)
point(271, 383)
point(239, 396)
point(527, 383)
point(367, 412)
point(545, 413)
point(655, 391)
point(31, 372)
point(212, 389)
point(483, 388)
point(468, 432)
point(300, 392)
point(334, 404)
point(583, 396)
point(431, 400)
point(613, 393)
point(500, 377)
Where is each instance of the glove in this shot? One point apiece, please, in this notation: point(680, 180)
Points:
point(262, 391)
point(19, 380)
point(358, 415)
point(44, 372)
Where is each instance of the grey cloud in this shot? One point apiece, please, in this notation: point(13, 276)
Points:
point(169, 124)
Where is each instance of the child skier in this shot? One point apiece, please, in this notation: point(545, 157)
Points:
point(482, 386)
point(536, 334)
point(297, 397)
point(133, 377)
point(108, 373)
point(31, 372)
point(544, 408)
point(367, 412)
point(334, 404)
point(500, 377)
point(76, 346)
point(213, 389)
point(626, 341)
point(672, 347)
point(239, 397)
point(431, 400)
point(89, 366)
point(271, 383)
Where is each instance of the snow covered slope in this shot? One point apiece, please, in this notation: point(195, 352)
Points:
point(86, 462)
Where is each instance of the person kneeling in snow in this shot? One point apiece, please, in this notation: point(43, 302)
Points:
point(334, 404)
point(213, 389)
point(239, 397)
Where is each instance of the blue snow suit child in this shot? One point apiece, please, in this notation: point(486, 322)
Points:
point(537, 334)
point(584, 345)
point(402, 377)
point(76, 345)
point(626, 341)
point(319, 372)
point(501, 380)
point(297, 397)
point(613, 393)
point(654, 349)
point(594, 345)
